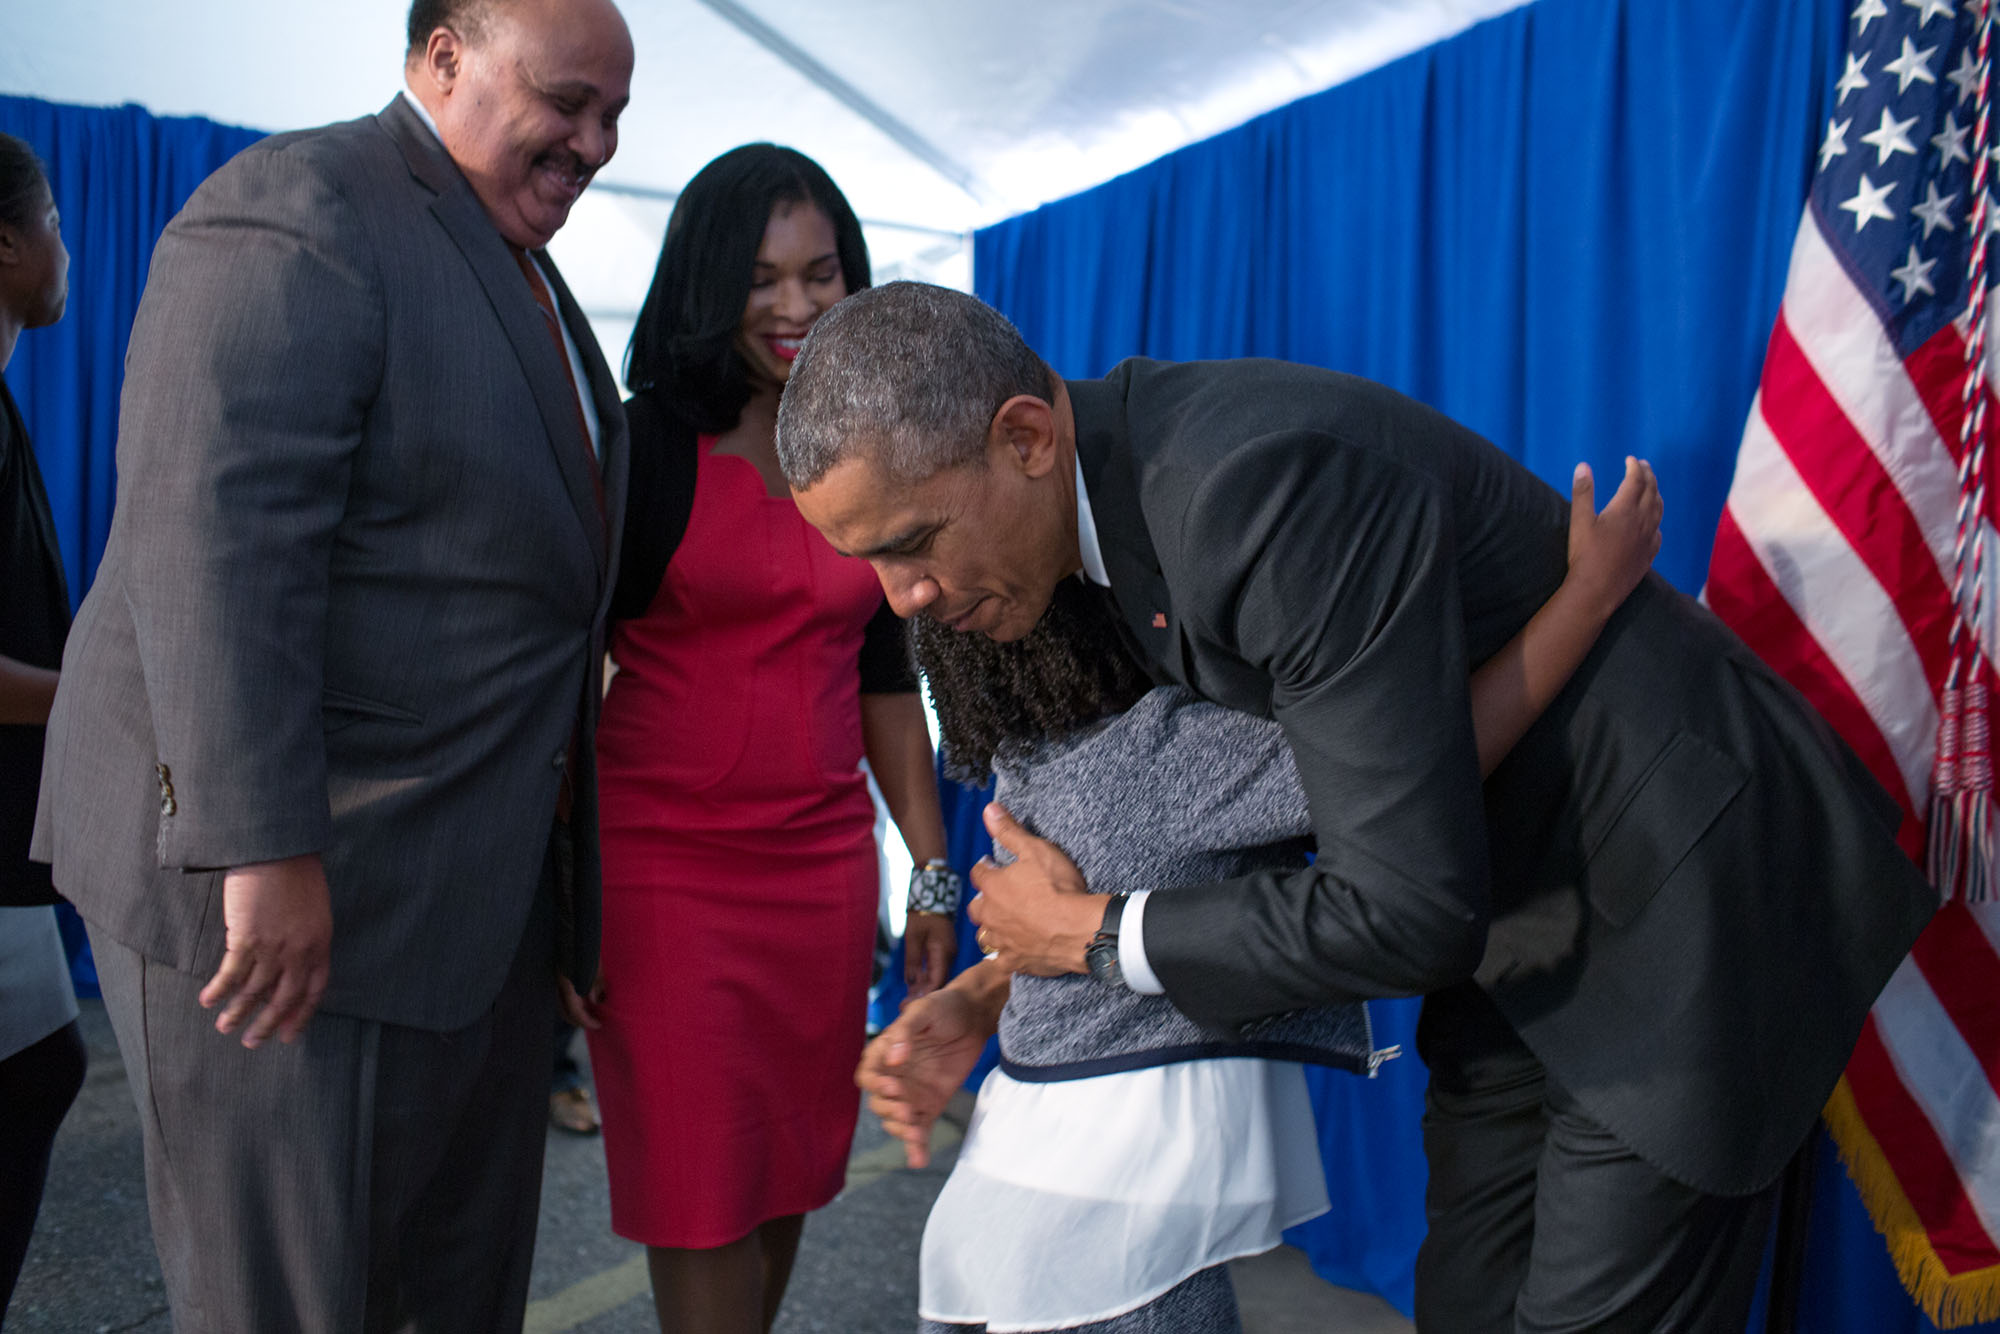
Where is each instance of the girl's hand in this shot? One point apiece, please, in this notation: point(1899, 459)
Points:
point(930, 940)
point(1610, 552)
point(910, 1070)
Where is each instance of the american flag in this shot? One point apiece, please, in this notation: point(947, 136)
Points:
point(1857, 555)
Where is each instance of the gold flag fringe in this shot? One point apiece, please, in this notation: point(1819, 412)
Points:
point(1952, 1301)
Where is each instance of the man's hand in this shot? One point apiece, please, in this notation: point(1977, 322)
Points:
point(1036, 915)
point(580, 1011)
point(930, 940)
point(912, 1068)
point(278, 934)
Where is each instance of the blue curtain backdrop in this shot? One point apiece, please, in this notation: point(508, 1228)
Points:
point(119, 173)
point(1569, 228)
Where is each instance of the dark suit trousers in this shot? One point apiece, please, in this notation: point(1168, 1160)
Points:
point(37, 1085)
point(1542, 1221)
point(369, 1177)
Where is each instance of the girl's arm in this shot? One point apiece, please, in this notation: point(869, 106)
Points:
point(911, 1070)
point(1609, 554)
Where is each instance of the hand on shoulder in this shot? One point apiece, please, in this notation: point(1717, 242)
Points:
point(1610, 551)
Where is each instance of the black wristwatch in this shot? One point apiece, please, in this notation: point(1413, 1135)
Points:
point(1102, 951)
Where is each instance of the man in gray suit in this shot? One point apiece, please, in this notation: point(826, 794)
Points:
point(323, 734)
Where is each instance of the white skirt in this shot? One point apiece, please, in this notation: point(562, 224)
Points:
point(1084, 1199)
point(35, 994)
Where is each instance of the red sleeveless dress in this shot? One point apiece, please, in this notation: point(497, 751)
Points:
point(740, 874)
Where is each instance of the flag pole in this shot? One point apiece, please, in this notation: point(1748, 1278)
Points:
point(1960, 860)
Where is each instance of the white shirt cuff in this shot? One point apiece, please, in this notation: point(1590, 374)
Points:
point(1132, 947)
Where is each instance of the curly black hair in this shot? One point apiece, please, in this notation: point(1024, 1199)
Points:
point(997, 702)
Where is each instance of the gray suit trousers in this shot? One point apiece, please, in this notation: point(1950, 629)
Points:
point(370, 1177)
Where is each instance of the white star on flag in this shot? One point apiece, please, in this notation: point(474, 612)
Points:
point(1966, 77)
point(1868, 202)
point(1935, 210)
point(1835, 144)
point(1931, 9)
point(1915, 276)
point(1913, 66)
point(1950, 142)
point(1851, 80)
point(1890, 137)
point(1867, 12)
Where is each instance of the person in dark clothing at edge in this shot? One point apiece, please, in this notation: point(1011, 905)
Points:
point(41, 1051)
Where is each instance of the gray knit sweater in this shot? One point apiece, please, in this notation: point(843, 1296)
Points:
point(1172, 792)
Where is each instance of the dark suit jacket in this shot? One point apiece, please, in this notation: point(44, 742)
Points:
point(353, 601)
point(1675, 856)
point(34, 619)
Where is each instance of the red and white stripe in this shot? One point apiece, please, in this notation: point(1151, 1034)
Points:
point(1835, 561)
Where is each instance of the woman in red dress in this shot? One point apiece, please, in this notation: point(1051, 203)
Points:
point(755, 669)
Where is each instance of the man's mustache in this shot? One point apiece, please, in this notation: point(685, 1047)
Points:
point(570, 164)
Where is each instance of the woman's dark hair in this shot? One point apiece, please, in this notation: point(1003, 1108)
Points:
point(684, 344)
point(24, 185)
point(1000, 701)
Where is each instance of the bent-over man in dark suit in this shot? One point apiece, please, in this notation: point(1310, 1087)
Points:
point(1615, 933)
point(322, 739)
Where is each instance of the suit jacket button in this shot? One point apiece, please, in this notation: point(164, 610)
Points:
point(163, 773)
point(562, 757)
point(167, 806)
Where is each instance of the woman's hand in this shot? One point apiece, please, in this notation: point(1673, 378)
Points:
point(930, 941)
point(580, 1010)
point(1610, 552)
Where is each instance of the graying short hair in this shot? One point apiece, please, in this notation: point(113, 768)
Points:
point(907, 374)
point(467, 18)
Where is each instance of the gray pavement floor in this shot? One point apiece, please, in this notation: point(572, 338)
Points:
point(91, 1268)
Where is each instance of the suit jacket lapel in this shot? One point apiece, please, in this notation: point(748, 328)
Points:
point(614, 440)
point(609, 409)
point(464, 220)
point(1138, 586)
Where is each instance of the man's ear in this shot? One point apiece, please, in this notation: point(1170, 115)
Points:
point(1026, 427)
point(10, 244)
point(439, 64)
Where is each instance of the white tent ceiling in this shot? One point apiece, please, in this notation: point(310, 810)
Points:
point(935, 116)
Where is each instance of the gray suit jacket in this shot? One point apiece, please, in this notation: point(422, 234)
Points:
point(353, 600)
point(1669, 861)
